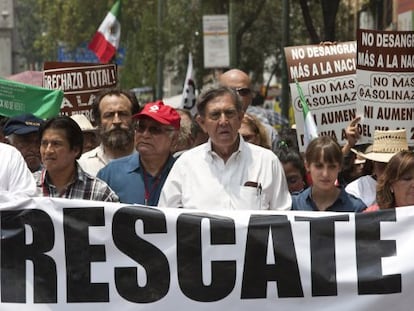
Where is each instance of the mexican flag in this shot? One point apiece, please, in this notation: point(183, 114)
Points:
point(106, 40)
point(310, 129)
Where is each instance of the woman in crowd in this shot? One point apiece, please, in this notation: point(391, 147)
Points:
point(323, 160)
point(395, 187)
point(293, 166)
point(253, 131)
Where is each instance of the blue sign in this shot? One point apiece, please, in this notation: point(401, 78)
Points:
point(83, 55)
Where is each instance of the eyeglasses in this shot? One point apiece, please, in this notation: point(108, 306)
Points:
point(228, 113)
point(243, 91)
point(249, 137)
point(153, 129)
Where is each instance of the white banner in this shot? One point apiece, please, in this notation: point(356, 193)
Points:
point(59, 254)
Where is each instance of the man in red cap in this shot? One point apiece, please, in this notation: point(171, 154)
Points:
point(138, 178)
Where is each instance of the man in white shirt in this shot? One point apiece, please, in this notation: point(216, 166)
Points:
point(15, 176)
point(226, 172)
point(113, 110)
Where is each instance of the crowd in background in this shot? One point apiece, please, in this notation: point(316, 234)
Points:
point(227, 156)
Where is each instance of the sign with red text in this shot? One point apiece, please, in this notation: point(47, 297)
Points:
point(326, 74)
point(216, 41)
point(60, 254)
point(80, 83)
point(385, 78)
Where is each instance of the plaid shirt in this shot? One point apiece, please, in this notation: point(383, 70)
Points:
point(84, 187)
point(267, 116)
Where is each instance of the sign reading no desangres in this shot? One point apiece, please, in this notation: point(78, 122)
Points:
point(385, 77)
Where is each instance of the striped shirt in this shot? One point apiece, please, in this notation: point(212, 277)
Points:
point(84, 186)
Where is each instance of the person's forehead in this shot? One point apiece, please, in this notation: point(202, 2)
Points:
point(245, 128)
point(115, 102)
point(222, 101)
point(290, 168)
point(55, 134)
point(149, 121)
point(28, 136)
point(235, 79)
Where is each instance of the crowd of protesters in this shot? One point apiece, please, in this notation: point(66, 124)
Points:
point(228, 156)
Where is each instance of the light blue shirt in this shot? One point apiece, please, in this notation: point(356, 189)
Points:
point(125, 176)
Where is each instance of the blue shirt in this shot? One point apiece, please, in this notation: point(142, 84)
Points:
point(344, 203)
point(130, 181)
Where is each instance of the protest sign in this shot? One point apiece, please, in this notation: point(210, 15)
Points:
point(80, 83)
point(326, 74)
point(19, 98)
point(60, 254)
point(385, 79)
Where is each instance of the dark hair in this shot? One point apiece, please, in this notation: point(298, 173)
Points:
point(96, 113)
point(72, 131)
point(324, 146)
point(287, 154)
point(400, 163)
point(288, 136)
point(212, 93)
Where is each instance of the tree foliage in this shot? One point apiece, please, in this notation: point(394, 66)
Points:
point(257, 25)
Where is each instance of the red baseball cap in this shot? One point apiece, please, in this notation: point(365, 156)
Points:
point(161, 113)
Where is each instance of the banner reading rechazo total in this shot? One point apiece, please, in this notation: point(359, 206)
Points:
point(385, 78)
point(80, 82)
point(326, 74)
point(59, 254)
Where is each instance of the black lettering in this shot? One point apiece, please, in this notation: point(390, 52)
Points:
point(323, 259)
point(80, 254)
point(369, 251)
point(190, 261)
point(15, 252)
point(150, 257)
point(257, 272)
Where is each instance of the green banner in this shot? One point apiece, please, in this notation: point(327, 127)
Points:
point(18, 98)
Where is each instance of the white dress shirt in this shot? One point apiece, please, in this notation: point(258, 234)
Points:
point(252, 178)
point(15, 176)
point(364, 188)
point(93, 160)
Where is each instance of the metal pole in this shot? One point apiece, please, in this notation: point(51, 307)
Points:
point(232, 28)
point(285, 42)
point(160, 55)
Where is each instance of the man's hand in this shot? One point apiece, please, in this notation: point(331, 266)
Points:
point(352, 135)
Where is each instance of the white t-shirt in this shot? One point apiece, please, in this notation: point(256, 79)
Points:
point(364, 188)
point(93, 160)
point(252, 178)
point(15, 176)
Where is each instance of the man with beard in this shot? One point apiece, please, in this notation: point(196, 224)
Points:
point(112, 110)
point(139, 178)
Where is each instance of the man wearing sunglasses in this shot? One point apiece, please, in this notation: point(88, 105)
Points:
point(138, 178)
point(226, 172)
point(240, 82)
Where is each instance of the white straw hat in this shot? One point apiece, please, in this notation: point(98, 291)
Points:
point(83, 122)
point(385, 145)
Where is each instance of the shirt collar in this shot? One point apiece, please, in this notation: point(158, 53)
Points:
point(212, 154)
